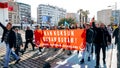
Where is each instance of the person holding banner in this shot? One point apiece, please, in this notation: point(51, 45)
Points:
point(102, 39)
point(89, 38)
point(9, 38)
point(37, 36)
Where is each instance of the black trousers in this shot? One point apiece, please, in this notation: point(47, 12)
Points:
point(118, 55)
point(26, 44)
point(17, 50)
point(40, 49)
point(98, 47)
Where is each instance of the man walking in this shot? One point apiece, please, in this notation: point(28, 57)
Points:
point(89, 39)
point(102, 39)
point(29, 38)
point(19, 42)
point(10, 40)
point(116, 34)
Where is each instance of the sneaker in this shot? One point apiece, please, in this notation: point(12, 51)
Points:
point(88, 58)
point(39, 53)
point(17, 61)
point(42, 49)
point(5, 67)
point(82, 61)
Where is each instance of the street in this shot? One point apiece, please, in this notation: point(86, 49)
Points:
point(59, 58)
point(31, 59)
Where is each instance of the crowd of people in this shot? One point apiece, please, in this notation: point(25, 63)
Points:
point(98, 36)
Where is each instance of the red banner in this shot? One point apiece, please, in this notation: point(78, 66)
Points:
point(67, 39)
point(3, 5)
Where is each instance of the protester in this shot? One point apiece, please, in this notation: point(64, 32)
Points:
point(29, 38)
point(68, 43)
point(38, 37)
point(89, 39)
point(55, 47)
point(116, 34)
point(19, 42)
point(9, 38)
point(102, 39)
point(109, 29)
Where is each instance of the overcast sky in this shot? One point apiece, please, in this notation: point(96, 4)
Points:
point(73, 5)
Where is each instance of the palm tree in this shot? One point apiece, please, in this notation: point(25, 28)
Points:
point(80, 11)
point(86, 15)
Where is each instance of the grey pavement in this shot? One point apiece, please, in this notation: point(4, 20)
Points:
point(31, 59)
point(73, 61)
point(57, 59)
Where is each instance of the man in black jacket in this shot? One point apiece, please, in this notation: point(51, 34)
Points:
point(29, 38)
point(89, 39)
point(19, 42)
point(116, 34)
point(10, 40)
point(102, 39)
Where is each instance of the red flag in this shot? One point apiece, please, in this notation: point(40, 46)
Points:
point(10, 8)
point(92, 20)
point(3, 5)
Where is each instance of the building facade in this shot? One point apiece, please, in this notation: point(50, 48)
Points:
point(116, 16)
point(108, 16)
point(13, 15)
point(104, 16)
point(48, 15)
point(24, 13)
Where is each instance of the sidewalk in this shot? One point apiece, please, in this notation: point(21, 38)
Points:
point(57, 59)
point(73, 61)
point(31, 59)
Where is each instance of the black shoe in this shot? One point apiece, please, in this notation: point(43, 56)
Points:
point(104, 62)
point(5, 67)
point(17, 61)
point(82, 61)
point(97, 66)
point(88, 58)
point(77, 52)
point(55, 49)
point(69, 53)
point(22, 52)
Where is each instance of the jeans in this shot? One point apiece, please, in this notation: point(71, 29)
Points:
point(7, 56)
point(87, 49)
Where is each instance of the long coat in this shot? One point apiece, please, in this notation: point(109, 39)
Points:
point(19, 39)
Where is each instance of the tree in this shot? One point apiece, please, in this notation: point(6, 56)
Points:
point(83, 15)
point(68, 20)
point(86, 15)
point(80, 12)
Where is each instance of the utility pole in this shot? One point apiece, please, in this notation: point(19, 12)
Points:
point(116, 13)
